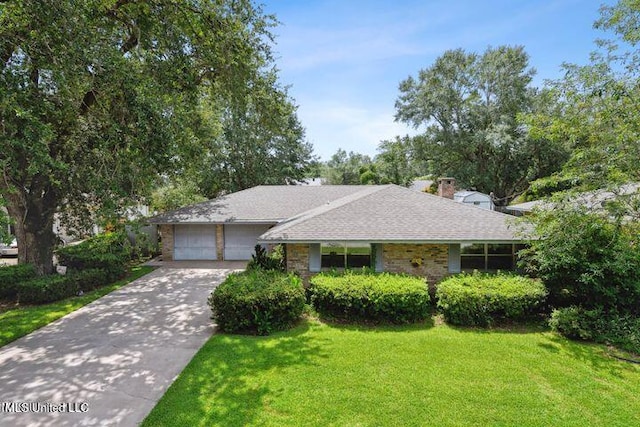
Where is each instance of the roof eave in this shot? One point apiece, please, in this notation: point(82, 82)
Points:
point(228, 221)
point(393, 241)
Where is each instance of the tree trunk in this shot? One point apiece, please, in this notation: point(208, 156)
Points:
point(33, 219)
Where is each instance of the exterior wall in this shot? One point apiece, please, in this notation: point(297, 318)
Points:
point(298, 259)
point(396, 258)
point(220, 241)
point(167, 241)
point(476, 199)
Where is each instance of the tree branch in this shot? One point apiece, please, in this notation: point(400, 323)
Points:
point(91, 96)
point(132, 41)
point(6, 52)
point(88, 101)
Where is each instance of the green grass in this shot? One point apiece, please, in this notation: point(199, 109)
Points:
point(18, 322)
point(321, 375)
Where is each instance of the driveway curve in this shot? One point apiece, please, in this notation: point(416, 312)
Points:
point(108, 363)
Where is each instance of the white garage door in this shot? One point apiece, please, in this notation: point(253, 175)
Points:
point(194, 242)
point(240, 240)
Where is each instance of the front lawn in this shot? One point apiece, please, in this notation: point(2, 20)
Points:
point(18, 322)
point(322, 375)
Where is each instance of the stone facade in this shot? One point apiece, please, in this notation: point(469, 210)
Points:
point(166, 230)
point(396, 258)
point(298, 259)
point(434, 260)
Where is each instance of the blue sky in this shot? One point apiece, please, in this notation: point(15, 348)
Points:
point(344, 59)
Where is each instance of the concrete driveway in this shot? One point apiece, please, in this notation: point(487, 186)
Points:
point(108, 363)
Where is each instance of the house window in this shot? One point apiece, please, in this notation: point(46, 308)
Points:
point(345, 255)
point(488, 256)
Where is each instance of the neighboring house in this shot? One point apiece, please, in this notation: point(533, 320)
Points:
point(592, 200)
point(311, 181)
point(421, 185)
point(69, 234)
point(447, 188)
point(475, 198)
point(9, 227)
point(525, 208)
point(387, 227)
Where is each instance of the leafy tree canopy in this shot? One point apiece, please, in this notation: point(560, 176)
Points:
point(99, 98)
point(261, 142)
point(468, 105)
point(596, 107)
point(397, 161)
point(345, 169)
point(586, 249)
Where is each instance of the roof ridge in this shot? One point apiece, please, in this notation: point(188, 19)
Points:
point(329, 206)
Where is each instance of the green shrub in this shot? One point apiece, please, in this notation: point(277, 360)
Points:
point(598, 325)
point(573, 322)
point(482, 299)
point(586, 259)
point(267, 261)
point(89, 279)
point(109, 251)
point(46, 289)
point(369, 296)
point(257, 301)
point(11, 276)
point(56, 287)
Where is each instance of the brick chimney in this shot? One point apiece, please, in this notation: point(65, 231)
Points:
point(446, 187)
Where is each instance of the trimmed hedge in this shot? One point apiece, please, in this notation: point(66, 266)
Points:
point(90, 279)
point(109, 252)
point(95, 262)
point(257, 301)
point(46, 289)
point(366, 296)
point(11, 276)
point(598, 325)
point(482, 299)
point(54, 287)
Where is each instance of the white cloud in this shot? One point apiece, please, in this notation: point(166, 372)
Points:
point(350, 127)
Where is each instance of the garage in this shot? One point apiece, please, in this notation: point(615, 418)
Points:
point(194, 242)
point(240, 240)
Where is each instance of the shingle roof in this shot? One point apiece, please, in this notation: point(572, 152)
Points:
point(525, 207)
point(261, 204)
point(592, 200)
point(391, 213)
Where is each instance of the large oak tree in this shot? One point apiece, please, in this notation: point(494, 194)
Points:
point(98, 98)
point(468, 105)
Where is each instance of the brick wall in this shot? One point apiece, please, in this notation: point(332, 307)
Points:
point(298, 259)
point(166, 230)
point(396, 258)
point(446, 187)
point(219, 241)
